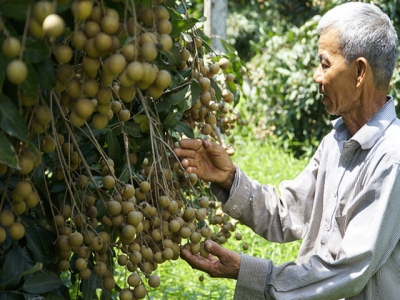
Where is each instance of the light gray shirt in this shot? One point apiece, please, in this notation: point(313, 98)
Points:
point(345, 205)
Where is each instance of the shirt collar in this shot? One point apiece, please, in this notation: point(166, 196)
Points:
point(371, 131)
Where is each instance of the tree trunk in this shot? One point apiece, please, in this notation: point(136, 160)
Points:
point(216, 12)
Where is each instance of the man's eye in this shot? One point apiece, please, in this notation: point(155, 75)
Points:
point(324, 66)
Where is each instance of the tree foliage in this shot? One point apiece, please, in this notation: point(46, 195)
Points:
point(279, 42)
point(94, 97)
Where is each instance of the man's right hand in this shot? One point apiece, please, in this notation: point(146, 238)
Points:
point(207, 160)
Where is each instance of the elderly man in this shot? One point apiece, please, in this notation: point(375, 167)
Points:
point(345, 205)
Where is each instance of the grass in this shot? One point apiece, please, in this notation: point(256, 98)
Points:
point(267, 164)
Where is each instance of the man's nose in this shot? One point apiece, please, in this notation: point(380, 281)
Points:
point(317, 75)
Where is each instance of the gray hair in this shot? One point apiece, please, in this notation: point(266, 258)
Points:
point(364, 31)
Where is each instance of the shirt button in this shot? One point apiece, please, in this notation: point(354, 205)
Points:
point(234, 207)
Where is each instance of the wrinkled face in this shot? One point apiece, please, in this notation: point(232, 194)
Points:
point(336, 79)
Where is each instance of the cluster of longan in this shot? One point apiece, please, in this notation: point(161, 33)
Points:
point(23, 196)
point(207, 114)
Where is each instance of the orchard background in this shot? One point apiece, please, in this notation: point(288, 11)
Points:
point(96, 94)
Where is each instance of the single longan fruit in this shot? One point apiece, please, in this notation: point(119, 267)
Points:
point(99, 121)
point(166, 41)
point(16, 71)
point(11, 47)
point(114, 207)
point(223, 63)
point(148, 51)
point(6, 218)
point(124, 115)
point(42, 9)
point(75, 239)
point(140, 292)
point(48, 144)
point(164, 26)
point(108, 283)
point(85, 274)
point(81, 9)
point(32, 199)
point(53, 25)
point(63, 54)
point(102, 42)
point(78, 39)
point(17, 231)
point(116, 64)
point(110, 24)
point(154, 281)
point(163, 79)
point(84, 108)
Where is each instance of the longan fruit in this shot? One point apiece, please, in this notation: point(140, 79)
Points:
point(84, 108)
point(63, 53)
point(16, 71)
point(109, 24)
point(48, 144)
point(16, 231)
point(166, 41)
point(108, 283)
point(78, 39)
point(11, 47)
point(42, 9)
point(6, 218)
point(102, 42)
point(32, 199)
point(53, 25)
point(125, 294)
point(164, 26)
point(63, 265)
point(148, 51)
point(85, 274)
point(223, 63)
point(99, 121)
point(154, 281)
point(81, 9)
point(116, 63)
point(134, 280)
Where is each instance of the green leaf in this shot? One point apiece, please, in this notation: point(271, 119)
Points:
point(184, 128)
point(36, 50)
point(46, 74)
point(218, 92)
point(172, 119)
point(37, 267)
point(163, 105)
point(10, 119)
point(133, 129)
point(114, 149)
point(9, 295)
point(7, 152)
point(30, 85)
point(89, 286)
point(179, 96)
point(37, 245)
point(15, 9)
point(11, 273)
point(42, 283)
point(191, 96)
point(174, 56)
point(179, 26)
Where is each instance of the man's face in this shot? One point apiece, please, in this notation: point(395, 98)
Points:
point(336, 79)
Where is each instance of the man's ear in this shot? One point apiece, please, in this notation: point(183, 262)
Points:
point(362, 68)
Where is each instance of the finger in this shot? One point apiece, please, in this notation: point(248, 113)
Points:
point(214, 248)
point(190, 144)
point(184, 152)
point(194, 260)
